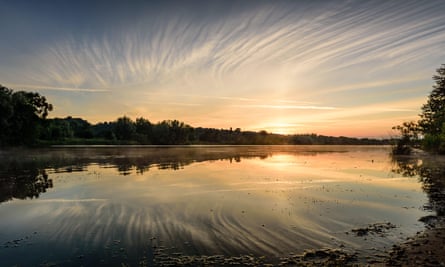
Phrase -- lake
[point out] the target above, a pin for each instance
(144, 206)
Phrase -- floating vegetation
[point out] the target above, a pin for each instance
(312, 257)
(162, 259)
(375, 228)
(321, 257)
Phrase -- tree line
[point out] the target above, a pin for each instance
(23, 120)
(429, 131)
(124, 130)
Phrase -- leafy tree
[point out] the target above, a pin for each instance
(59, 129)
(143, 126)
(124, 128)
(431, 125)
(80, 127)
(144, 130)
(104, 130)
(409, 137)
(6, 112)
(433, 112)
(179, 132)
(21, 114)
(432, 120)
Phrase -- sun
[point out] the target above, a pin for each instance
(283, 127)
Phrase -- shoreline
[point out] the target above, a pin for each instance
(426, 248)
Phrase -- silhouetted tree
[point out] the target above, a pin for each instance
(433, 112)
(104, 130)
(161, 133)
(432, 121)
(6, 112)
(80, 127)
(58, 129)
(21, 116)
(124, 128)
(144, 130)
(409, 132)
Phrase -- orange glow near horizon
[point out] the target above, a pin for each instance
(332, 69)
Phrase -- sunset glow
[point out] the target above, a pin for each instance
(351, 68)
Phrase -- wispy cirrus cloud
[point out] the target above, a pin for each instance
(66, 89)
(328, 38)
(287, 107)
(288, 59)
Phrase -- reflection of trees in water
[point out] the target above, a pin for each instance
(24, 184)
(431, 174)
(141, 164)
(23, 174)
(127, 166)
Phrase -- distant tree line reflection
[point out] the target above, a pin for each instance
(24, 174)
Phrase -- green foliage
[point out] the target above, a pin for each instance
(409, 132)
(433, 112)
(435, 142)
(173, 132)
(6, 112)
(431, 142)
(21, 116)
(433, 115)
(144, 130)
(314, 139)
(432, 120)
(124, 128)
(62, 129)
(431, 123)
(104, 130)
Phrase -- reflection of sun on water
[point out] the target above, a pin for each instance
(281, 161)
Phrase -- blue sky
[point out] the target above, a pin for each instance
(352, 68)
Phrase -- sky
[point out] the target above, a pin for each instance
(350, 68)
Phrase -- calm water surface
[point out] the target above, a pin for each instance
(108, 206)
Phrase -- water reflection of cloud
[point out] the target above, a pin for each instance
(212, 206)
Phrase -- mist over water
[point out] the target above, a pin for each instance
(113, 205)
